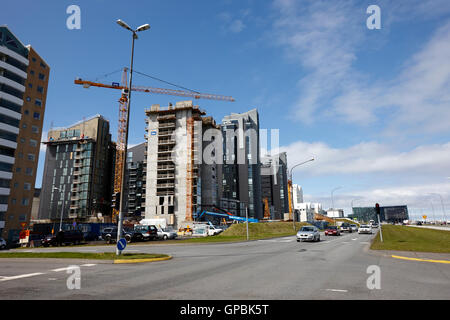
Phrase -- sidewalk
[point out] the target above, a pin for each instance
(445, 228)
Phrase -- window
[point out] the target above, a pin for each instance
(41, 76)
(33, 143)
(43, 65)
(23, 217)
(27, 186)
(29, 171)
(25, 201)
(38, 103)
(32, 72)
(35, 129)
(30, 85)
(31, 157)
(40, 89)
(37, 115)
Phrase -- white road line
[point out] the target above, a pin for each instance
(21, 276)
(88, 265)
(61, 269)
(336, 290)
(355, 239)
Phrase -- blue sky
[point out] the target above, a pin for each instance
(372, 106)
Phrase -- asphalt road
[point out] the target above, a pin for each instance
(277, 269)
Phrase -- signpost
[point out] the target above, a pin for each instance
(378, 212)
(121, 244)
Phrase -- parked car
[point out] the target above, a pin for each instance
(213, 230)
(345, 227)
(2, 244)
(354, 227)
(110, 235)
(167, 233)
(308, 233)
(144, 232)
(63, 237)
(332, 231)
(365, 228)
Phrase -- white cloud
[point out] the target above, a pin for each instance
(368, 157)
(324, 39)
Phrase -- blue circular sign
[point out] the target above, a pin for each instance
(121, 244)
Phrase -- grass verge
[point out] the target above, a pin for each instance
(403, 238)
(257, 231)
(82, 255)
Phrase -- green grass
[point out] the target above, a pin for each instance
(403, 238)
(262, 230)
(81, 255)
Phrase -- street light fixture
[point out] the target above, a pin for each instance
(291, 193)
(62, 210)
(332, 201)
(141, 28)
(442, 203)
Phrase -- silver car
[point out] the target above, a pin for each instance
(167, 233)
(308, 233)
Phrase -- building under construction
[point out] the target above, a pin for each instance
(174, 187)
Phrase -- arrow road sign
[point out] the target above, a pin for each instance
(121, 244)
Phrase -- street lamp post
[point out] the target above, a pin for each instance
(444, 217)
(62, 211)
(134, 36)
(291, 192)
(332, 202)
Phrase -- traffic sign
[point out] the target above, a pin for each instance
(425, 217)
(121, 244)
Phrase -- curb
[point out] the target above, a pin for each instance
(141, 260)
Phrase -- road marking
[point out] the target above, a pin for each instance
(21, 276)
(422, 260)
(62, 269)
(355, 239)
(336, 290)
(88, 265)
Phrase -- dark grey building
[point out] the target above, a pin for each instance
(240, 171)
(274, 186)
(387, 214)
(135, 181)
(77, 172)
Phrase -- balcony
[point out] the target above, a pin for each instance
(167, 125)
(166, 142)
(165, 176)
(163, 168)
(165, 185)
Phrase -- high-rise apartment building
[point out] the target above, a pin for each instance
(239, 173)
(178, 184)
(274, 186)
(135, 178)
(77, 173)
(24, 79)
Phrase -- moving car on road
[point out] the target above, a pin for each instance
(354, 227)
(308, 233)
(345, 227)
(332, 231)
(365, 229)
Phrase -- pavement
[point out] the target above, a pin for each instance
(336, 268)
